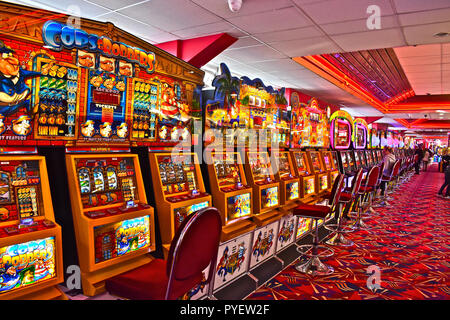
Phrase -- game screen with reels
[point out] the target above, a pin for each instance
(316, 161)
(259, 165)
(117, 239)
(342, 134)
(27, 263)
(177, 173)
(309, 187)
(106, 180)
(301, 164)
(326, 159)
(238, 206)
(284, 169)
(269, 197)
(20, 190)
(227, 169)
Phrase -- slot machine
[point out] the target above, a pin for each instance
(231, 194)
(304, 171)
(331, 166)
(289, 181)
(318, 169)
(266, 190)
(114, 225)
(31, 263)
(179, 190)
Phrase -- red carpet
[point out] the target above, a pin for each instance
(409, 242)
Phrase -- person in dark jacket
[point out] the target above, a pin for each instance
(445, 184)
(418, 152)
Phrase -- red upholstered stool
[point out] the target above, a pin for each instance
(366, 193)
(192, 250)
(388, 179)
(317, 212)
(346, 199)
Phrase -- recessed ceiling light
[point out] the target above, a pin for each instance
(441, 34)
(441, 111)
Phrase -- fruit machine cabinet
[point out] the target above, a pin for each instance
(330, 161)
(231, 194)
(31, 263)
(289, 181)
(179, 190)
(114, 225)
(304, 171)
(320, 172)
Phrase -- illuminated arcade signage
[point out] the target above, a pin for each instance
(57, 36)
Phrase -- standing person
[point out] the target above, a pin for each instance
(445, 184)
(426, 159)
(419, 153)
(389, 161)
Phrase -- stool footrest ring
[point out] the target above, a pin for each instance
(323, 251)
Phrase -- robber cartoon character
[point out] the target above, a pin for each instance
(105, 130)
(2, 124)
(21, 126)
(87, 129)
(14, 91)
(122, 130)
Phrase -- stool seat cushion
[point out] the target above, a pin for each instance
(365, 189)
(312, 211)
(147, 282)
(345, 197)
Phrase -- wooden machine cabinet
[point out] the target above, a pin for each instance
(289, 181)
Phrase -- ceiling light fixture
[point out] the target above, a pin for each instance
(234, 5)
(441, 34)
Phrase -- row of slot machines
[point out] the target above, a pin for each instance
(350, 161)
(115, 226)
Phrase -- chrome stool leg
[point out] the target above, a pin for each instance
(314, 266)
(339, 229)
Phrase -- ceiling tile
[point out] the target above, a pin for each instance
(304, 47)
(278, 66)
(243, 42)
(342, 10)
(424, 17)
(291, 34)
(165, 15)
(418, 51)
(253, 54)
(123, 22)
(420, 5)
(115, 4)
(375, 39)
(387, 22)
(206, 29)
(423, 34)
(282, 19)
(83, 9)
(426, 60)
(249, 7)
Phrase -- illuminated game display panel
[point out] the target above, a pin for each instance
(303, 227)
(106, 181)
(360, 133)
(301, 163)
(358, 160)
(315, 161)
(341, 130)
(284, 167)
(26, 264)
(327, 161)
(117, 239)
(269, 197)
(227, 169)
(260, 166)
(238, 207)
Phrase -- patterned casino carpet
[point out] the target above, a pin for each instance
(409, 242)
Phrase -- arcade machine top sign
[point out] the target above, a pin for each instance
(360, 133)
(80, 86)
(243, 104)
(341, 129)
(310, 124)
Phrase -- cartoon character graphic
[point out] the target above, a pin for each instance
(9, 278)
(163, 133)
(168, 105)
(86, 60)
(87, 129)
(106, 64)
(122, 130)
(286, 231)
(105, 130)
(21, 126)
(14, 91)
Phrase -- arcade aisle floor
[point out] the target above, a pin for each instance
(409, 242)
